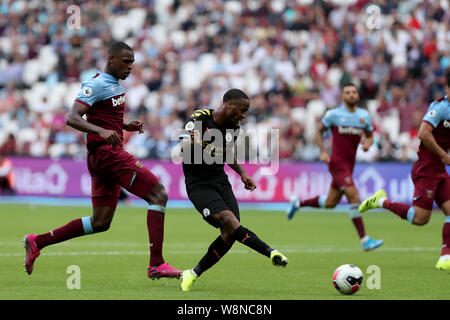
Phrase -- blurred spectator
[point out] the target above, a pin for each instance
(9, 145)
(284, 54)
(6, 176)
(387, 149)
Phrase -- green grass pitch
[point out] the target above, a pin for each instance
(113, 264)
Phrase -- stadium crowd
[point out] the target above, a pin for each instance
(290, 56)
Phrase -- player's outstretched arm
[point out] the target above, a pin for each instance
(75, 120)
(427, 138)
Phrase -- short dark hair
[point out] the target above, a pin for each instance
(234, 94)
(349, 84)
(117, 47)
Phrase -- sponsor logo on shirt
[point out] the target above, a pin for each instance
(350, 130)
(119, 101)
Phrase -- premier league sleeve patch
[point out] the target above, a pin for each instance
(87, 91)
(432, 113)
(189, 126)
(90, 93)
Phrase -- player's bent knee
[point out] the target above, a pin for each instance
(227, 220)
(100, 226)
(421, 220)
(162, 197)
(158, 196)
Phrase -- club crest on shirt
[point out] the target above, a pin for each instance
(139, 164)
(446, 124)
(361, 121)
(430, 194)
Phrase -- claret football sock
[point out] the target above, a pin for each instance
(316, 202)
(250, 239)
(216, 251)
(155, 225)
(403, 210)
(74, 228)
(357, 220)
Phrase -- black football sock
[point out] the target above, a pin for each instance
(247, 237)
(216, 250)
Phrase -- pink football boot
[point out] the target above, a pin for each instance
(31, 251)
(164, 270)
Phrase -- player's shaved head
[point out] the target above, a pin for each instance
(234, 94)
(120, 60)
(235, 104)
(118, 47)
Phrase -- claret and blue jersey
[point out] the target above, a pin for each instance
(347, 129)
(105, 97)
(438, 115)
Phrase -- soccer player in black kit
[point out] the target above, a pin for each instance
(207, 144)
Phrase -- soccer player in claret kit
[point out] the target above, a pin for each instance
(429, 175)
(349, 126)
(207, 143)
(102, 100)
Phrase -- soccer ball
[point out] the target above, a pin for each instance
(347, 279)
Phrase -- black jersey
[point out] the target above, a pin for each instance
(206, 158)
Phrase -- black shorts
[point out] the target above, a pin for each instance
(213, 197)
